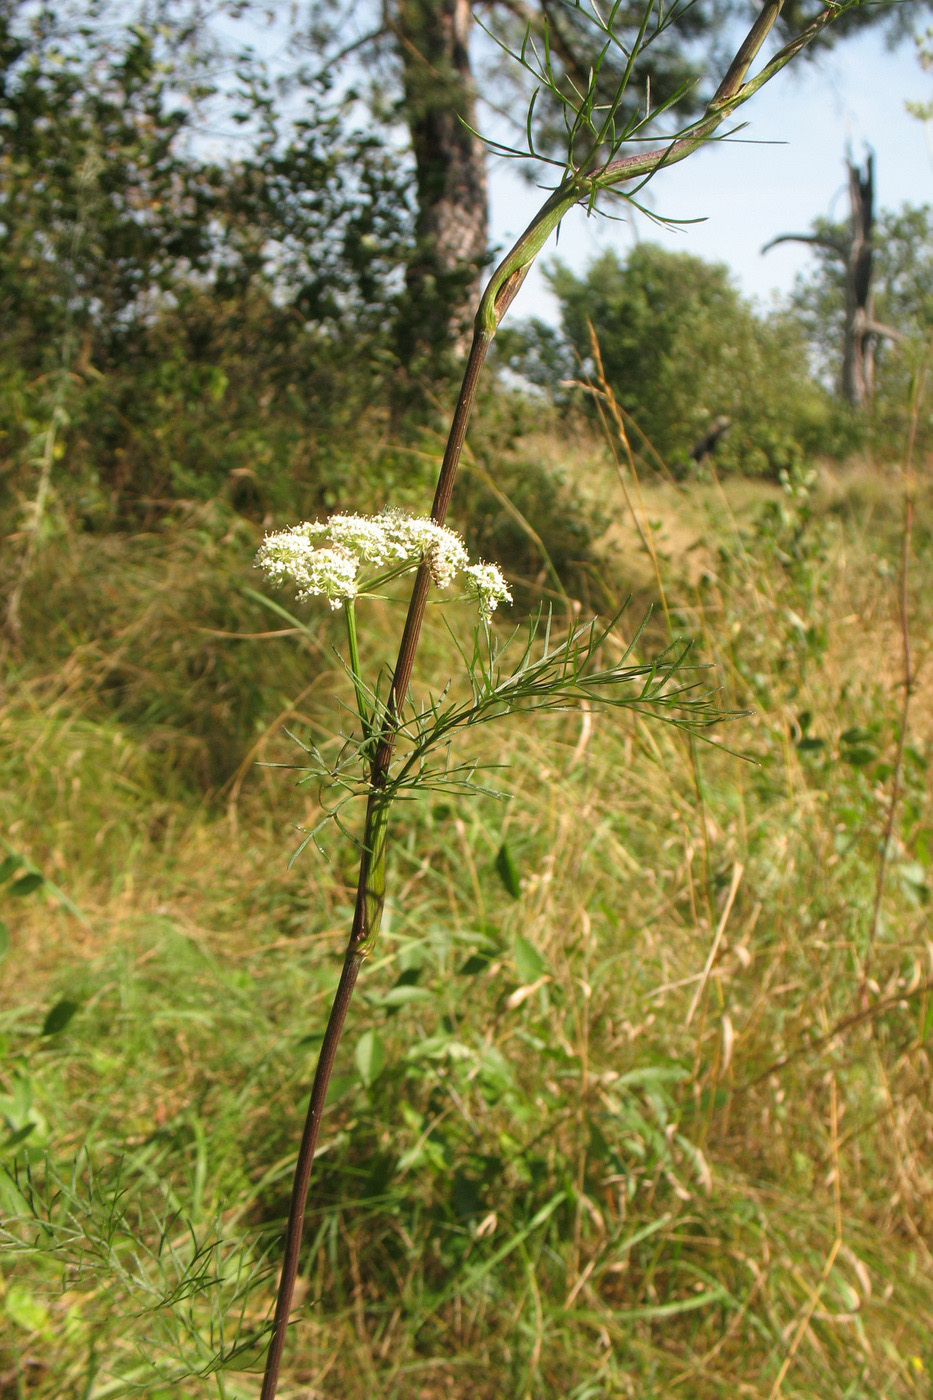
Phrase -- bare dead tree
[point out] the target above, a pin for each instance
(853, 249)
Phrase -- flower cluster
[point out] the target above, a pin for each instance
(336, 558)
(485, 583)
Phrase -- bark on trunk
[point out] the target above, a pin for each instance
(858, 362)
(450, 168)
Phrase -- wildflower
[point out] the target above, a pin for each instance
(486, 583)
(328, 571)
(416, 536)
(363, 535)
(340, 557)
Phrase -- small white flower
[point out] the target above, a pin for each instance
(326, 557)
(487, 584)
(416, 537)
(331, 572)
(364, 535)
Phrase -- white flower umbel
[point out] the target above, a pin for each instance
(325, 570)
(346, 555)
(486, 583)
(417, 537)
(363, 535)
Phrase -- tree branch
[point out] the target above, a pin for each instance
(884, 332)
(821, 240)
(334, 60)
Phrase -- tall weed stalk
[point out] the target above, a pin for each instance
(549, 674)
(909, 681)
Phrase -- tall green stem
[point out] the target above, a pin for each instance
(349, 612)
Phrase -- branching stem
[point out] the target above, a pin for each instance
(370, 894)
(580, 185)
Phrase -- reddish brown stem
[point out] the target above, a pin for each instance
(296, 1212)
(370, 887)
(501, 291)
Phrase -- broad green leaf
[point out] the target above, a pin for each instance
(439, 1047)
(8, 867)
(59, 1017)
(915, 758)
(4, 939)
(20, 1135)
(370, 1057)
(408, 977)
(507, 871)
(859, 757)
(528, 961)
(27, 883)
(476, 962)
(858, 736)
(314, 1038)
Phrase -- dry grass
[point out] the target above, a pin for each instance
(647, 1130)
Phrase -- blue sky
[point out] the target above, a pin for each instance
(750, 190)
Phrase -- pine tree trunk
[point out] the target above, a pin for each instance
(450, 169)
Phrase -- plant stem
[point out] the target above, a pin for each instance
(370, 898)
(500, 292)
(903, 607)
(411, 633)
(370, 893)
(309, 1137)
(349, 612)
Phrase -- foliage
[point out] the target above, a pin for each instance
(923, 111)
(149, 276)
(689, 38)
(680, 347)
(581, 1196)
(108, 206)
(413, 62)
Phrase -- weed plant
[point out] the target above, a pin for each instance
(631, 1111)
(354, 555)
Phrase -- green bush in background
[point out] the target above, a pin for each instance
(680, 347)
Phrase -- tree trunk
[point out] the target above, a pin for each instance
(854, 250)
(859, 351)
(450, 170)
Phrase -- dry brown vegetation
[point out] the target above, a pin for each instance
(659, 1125)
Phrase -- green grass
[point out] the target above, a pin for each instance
(643, 1130)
